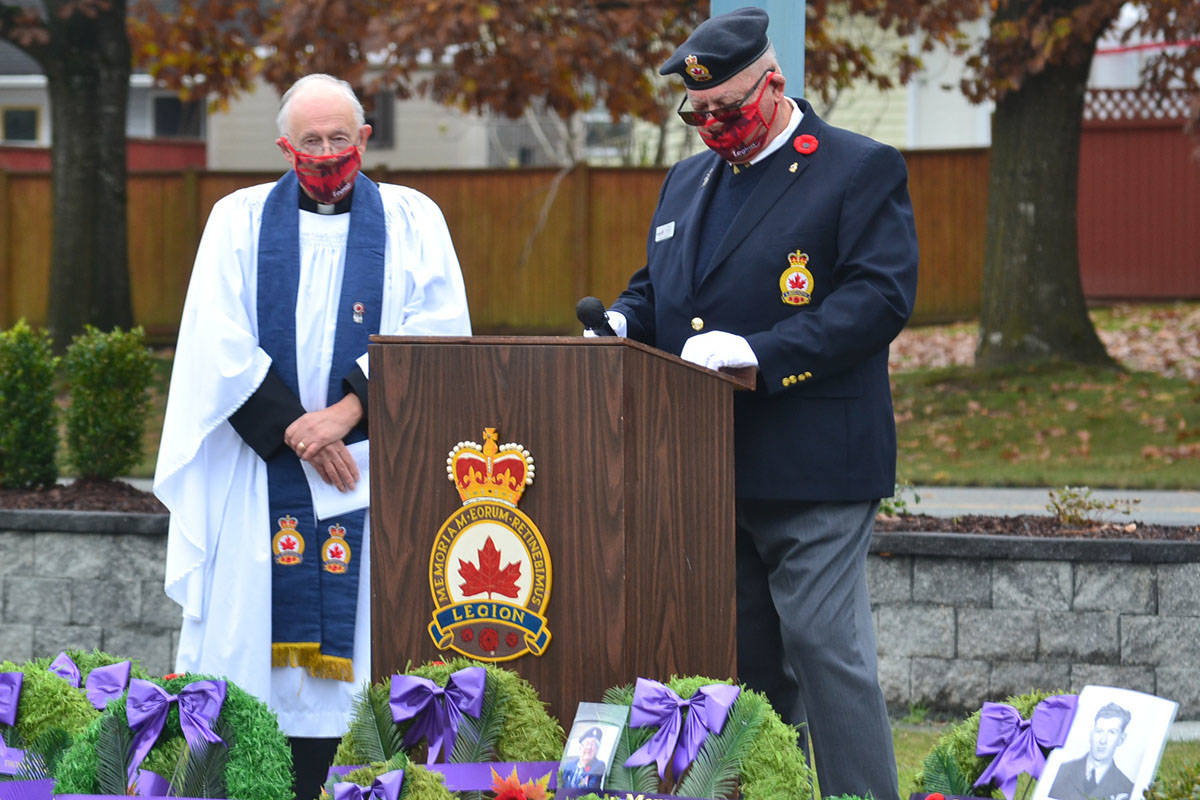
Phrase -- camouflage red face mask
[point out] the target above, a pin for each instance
(326, 179)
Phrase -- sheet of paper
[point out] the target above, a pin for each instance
(328, 500)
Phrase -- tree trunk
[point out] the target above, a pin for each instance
(87, 68)
(1032, 306)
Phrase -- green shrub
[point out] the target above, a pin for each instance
(109, 376)
(1184, 785)
(29, 433)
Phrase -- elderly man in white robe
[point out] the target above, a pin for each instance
(264, 441)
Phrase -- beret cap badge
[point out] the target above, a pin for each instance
(696, 70)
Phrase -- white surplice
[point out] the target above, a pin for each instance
(215, 486)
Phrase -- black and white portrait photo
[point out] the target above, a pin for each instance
(1112, 748)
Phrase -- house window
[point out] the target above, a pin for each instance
(20, 124)
(381, 116)
(174, 118)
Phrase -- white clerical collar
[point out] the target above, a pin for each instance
(784, 136)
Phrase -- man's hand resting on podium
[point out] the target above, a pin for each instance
(717, 349)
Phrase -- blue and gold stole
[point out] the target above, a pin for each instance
(314, 578)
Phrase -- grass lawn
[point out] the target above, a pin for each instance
(1047, 426)
(913, 743)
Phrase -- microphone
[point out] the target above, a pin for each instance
(591, 313)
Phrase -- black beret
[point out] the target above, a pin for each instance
(592, 733)
(720, 48)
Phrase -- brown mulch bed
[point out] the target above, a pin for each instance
(84, 495)
(1036, 525)
(93, 495)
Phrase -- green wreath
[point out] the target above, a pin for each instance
(513, 725)
(49, 702)
(952, 766)
(755, 757)
(419, 783)
(256, 765)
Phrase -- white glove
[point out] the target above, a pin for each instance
(616, 321)
(717, 349)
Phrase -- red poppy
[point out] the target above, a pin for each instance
(806, 144)
(466, 635)
(489, 639)
(512, 640)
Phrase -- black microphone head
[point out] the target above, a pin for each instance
(590, 312)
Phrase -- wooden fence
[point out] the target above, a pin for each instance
(532, 242)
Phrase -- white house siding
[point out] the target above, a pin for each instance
(427, 136)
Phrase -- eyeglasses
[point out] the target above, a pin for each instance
(723, 113)
(316, 146)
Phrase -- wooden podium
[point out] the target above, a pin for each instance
(632, 493)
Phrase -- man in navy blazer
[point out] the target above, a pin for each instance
(790, 246)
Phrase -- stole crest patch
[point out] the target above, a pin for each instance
(489, 570)
(335, 553)
(287, 544)
(796, 282)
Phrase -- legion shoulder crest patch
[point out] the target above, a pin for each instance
(489, 570)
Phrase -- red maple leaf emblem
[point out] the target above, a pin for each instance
(487, 576)
(797, 281)
(335, 552)
(287, 544)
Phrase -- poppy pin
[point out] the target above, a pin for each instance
(806, 144)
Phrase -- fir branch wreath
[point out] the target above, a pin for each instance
(952, 767)
(755, 757)
(257, 765)
(49, 702)
(419, 783)
(513, 725)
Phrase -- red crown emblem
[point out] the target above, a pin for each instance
(491, 472)
(798, 259)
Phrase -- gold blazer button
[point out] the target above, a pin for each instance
(697, 324)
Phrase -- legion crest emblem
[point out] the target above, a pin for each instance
(698, 71)
(287, 544)
(796, 282)
(489, 570)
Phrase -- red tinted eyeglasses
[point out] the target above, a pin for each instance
(723, 113)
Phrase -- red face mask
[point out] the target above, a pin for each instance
(327, 179)
(741, 136)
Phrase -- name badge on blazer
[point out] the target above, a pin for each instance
(664, 231)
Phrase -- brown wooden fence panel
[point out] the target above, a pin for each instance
(531, 242)
(515, 249)
(949, 194)
(30, 209)
(1139, 211)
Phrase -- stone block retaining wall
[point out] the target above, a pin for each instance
(959, 619)
(963, 619)
(86, 580)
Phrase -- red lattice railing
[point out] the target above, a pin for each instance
(1113, 105)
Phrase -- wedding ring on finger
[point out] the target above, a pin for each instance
(300, 446)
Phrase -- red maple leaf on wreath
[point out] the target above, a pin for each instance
(335, 552)
(796, 282)
(287, 544)
(488, 576)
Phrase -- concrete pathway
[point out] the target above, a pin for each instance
(1156, 507)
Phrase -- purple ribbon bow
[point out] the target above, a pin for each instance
(435, 711)
(657, 704)
(103, 683)
(146, 710)
(385, 787)
(1018, 743)
(10, 696)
